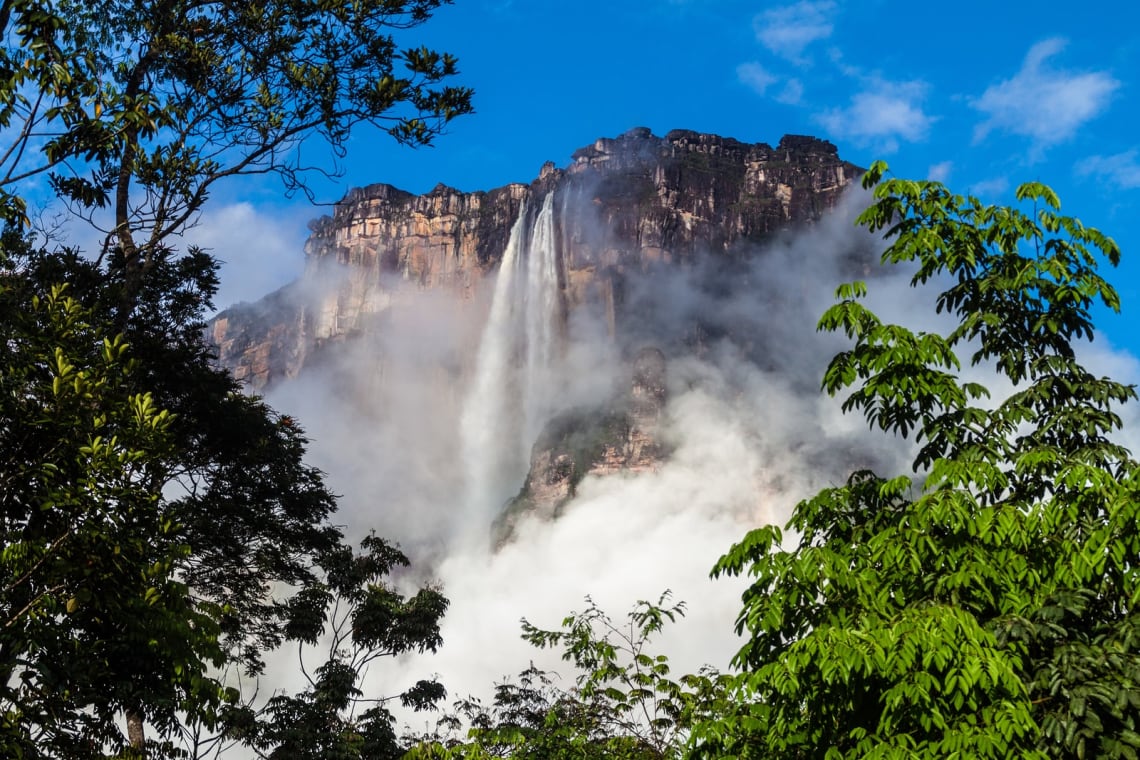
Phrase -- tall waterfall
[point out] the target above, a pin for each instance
(542, 324)
(510, 398)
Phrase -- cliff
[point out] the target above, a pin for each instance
(517, 341)
(624, 205)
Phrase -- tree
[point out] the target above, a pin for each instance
(86, 542)
(985, 607)
(143, 107)
(207, 89)
(246, 512)
(358, 617)
(97, 615)
(623, 705)
(49, 79)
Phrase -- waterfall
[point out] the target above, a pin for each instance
(542, 325)
(510, 397)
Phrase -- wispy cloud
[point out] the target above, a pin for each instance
(940, 172)
(760, 80)
(988, 188)
(792, 93)
(1121, 170)
(755, 77)
(1046, 104)
(881, 115)
(788, 30)
(259, 249)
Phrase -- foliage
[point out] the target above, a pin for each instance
(137, 564)
(160, 100)
(89, 553)
(623, 706)
(249, 512)
(207, 89)
(48, 77)
(986, 607)
(359, 617)
(142, 107)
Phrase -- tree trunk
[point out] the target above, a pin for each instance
(136, 737)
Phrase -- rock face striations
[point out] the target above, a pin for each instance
(622, 206)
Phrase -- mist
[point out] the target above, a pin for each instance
(750, 434)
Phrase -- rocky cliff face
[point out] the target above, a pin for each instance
(624, 205)
(654, 246)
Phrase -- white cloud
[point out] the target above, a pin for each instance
(940, 172)
(1122, 170)
(1042, 103)
(990, 187)
(787, 31)
(760, 80)
(756, 77)
(259, 251)
(792, 93)
(881, 115)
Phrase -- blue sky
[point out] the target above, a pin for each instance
(981, 95)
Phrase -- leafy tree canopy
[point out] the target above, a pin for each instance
(624, 704)
(357, 615)
(90, 551)
(144, 106)
(140, 107)
(987, 605)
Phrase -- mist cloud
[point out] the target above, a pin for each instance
(256, 248)
(750, 432)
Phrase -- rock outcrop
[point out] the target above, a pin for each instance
(623, 437)
(624, 205)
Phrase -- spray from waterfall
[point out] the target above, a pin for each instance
(510, 398)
